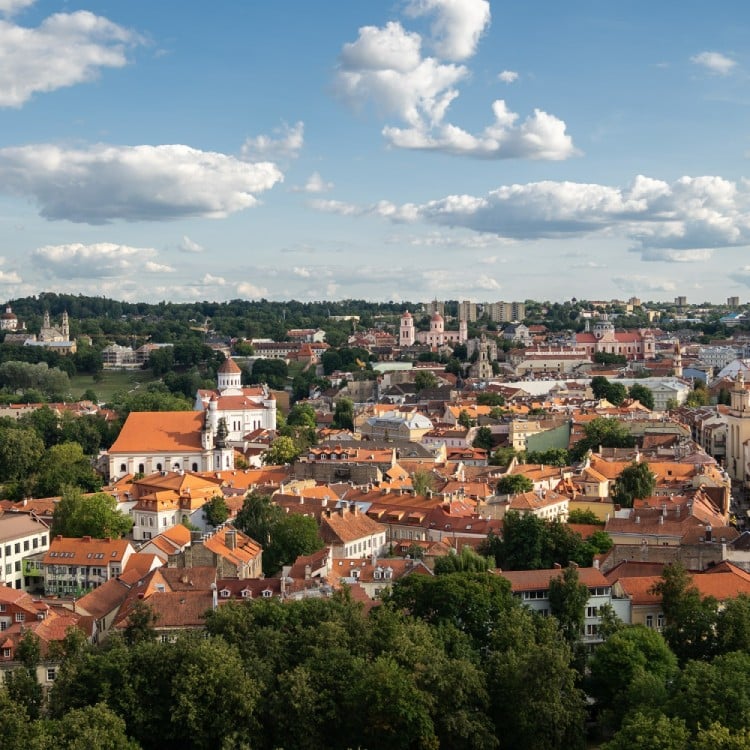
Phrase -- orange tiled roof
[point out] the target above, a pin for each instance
(160, 432)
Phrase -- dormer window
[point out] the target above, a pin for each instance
(246, 594)
(224, 593)
(267, 594)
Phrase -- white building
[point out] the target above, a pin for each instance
(21, 535)
(245, 410)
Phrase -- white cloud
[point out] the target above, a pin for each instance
(153, 267)
(539, 136)
(385, 66)
(456, 27)
(286, 144)
(508, 76)
(639, 284)
(315, 184)
(134, 183)
(676, 256)
(250, 291)
(9, 277)
(67, 48)
(714, 62)
(10, 7)
(210, 280)
(301, 271)
(102, 259)
(189, 246)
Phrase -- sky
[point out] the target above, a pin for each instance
(406, 151)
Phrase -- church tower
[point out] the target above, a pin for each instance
(407, 336)
(463, 331)
(65, 326)
(677, 360)
(738, 429)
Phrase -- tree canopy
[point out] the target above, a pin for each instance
(94, 515)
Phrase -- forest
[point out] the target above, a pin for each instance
(450, 661)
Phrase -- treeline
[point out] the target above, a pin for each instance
(451, 661)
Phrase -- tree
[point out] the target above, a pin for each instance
(483, 439)
(20, 452)
(283, 450)
(733, 625)
(567, 602)
(424, 380)
(552, 457)
(604, 432)
(502, 457)
(626, 655)
(642, 394)
(301, 415)
(92, 727)
(343, 415)
(644, 730)
(422, 481)
(512, 484)
(699, 396)
(636, 482)
(216, 511)
(464, 419)
(584, 516)
(466, 561)
(141, 621)
(257, 517)
(490, 398)
(96, 516)
(291, 536)
(690, 619)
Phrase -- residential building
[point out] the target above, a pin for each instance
(21, 536)
(352, 534)
(532, 588)
(74, 565)
(506, 312)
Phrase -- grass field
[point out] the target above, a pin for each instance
(111, 382)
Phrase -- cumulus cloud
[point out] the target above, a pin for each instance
(385, 66)
(153, 267)
(683, 220)
(315, 184)
(286, 143)
(539, 136)
(456, 27)
(66, 49)
(134, 183)
(301, 271)
(250, 291)
(210, 280)
(714, 62)
(10, 7)
(189, 246)
(101, 260)
(9, 277)
(508, 76)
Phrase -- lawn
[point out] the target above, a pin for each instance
(111, 382)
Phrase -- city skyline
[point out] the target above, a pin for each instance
(411, 150)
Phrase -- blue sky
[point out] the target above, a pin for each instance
(390, 151)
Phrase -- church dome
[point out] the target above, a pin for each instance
(436, 317)
(229, 366)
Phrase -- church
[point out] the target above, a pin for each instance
(604, 338)
(245, 410)
(436, 337)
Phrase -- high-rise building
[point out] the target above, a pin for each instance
(733, 301)
(467, 311)
(506, 312)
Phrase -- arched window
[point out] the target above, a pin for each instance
(195, 466)
(158, 467)
(141, 468)
(123, 468)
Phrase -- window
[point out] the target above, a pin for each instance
(123, 468)
(51, 674)
(18, 566)
(35, 542)
(267, 594)
(20, 616)
(7, 550)
(592, 611)
(44, 539)
(195, 466)
(3, 625)
(592, 630)
(17, 548)
(649, 621)
(26, 545)
(141, 468)
(6, 653)
(2, 608)
(8, 570)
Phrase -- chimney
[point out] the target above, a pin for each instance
(308, 572)
(214, 596)
(230, 539)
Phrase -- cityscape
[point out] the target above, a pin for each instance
(374, 376)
